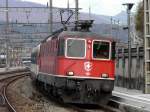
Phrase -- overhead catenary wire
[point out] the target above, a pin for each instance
(19, 24)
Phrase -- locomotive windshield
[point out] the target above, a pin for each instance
(75, 48)
(101, 50)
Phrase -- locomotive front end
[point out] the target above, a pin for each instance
(89, 69)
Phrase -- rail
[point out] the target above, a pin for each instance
(6, 81)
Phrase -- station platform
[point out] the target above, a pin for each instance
(132, 98)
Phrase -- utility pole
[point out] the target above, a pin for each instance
(118, 30)
(7, 28)
(89, 10)
(146, 87)
(77, 11)
(129, 7)
(68, 7)
(51, 16)
(111, 20)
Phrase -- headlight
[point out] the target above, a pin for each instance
(70, 73)
(104, 75)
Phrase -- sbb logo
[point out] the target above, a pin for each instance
(88, 66)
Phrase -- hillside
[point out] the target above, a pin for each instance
(101, 24)
(41, 15)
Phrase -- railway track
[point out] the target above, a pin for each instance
(13, 71)
(111, 107)
(53, 103)
(12, 77)
(89, 108)
(4, 83)
(95, 108)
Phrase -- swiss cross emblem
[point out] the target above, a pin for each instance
(88, 66)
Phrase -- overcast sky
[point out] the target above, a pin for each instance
(103, 7)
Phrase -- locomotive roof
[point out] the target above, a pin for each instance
(78, 34)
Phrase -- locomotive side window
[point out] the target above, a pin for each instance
(113, 50)
(75, 48)
(101, 50)
(61, 46)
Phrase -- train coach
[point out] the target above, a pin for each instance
(77, 67)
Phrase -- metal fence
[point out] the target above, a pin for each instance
(137, 68)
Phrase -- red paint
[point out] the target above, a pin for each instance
(77, 66)
(50, 63)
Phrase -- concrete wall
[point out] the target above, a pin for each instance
(137, 69)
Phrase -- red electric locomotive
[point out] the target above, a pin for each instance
(76, 66)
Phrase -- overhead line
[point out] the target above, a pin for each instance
(36, 8)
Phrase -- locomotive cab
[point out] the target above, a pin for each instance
(87, 57)
(85, 62)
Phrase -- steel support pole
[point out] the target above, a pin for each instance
(146, 87)
(129, 7)
(7, 28)
(118, 31)
(51, 15)
(129, 48)
(77, 11)
(90, 10)
(111, 19)
(68, 7)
